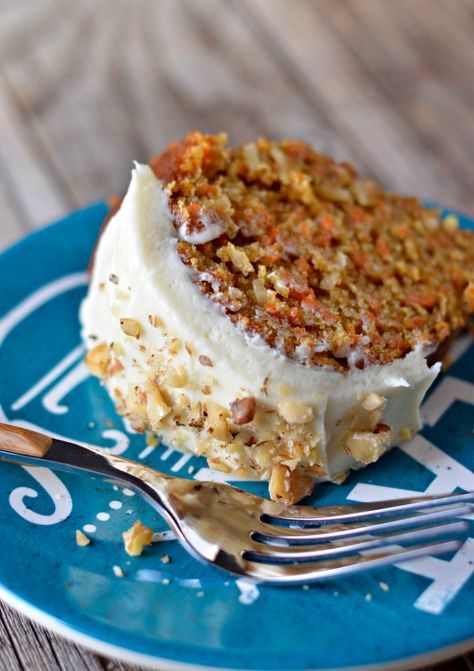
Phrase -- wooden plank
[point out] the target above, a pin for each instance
(421, 66)
(114, 665)
(209, 74)
(12, 218)
(25, 170)
(325, 65)
(32, 648)
(8, 657)
(455, 664)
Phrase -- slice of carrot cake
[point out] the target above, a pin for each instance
(269, 309)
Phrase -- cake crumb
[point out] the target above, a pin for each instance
(165, 581)
(368, 597)
(165, 559)
(136, 538)
(384, 587)
(118, 572)
(81, 539)
(191, 470)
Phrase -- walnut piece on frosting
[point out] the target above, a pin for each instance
(131, 327)
(98, 359)
(289, 486)
(367, 446)
(243, 410)
(217, 421)
(156, 404)
(295, 412)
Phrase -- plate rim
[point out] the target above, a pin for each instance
(124, 654)
(98, 646)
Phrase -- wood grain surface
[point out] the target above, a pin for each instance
(88, 86)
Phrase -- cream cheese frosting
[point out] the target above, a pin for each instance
(175, 364)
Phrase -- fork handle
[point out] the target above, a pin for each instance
(17, 440)
(20, 445)
(23, 446)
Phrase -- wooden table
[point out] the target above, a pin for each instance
(88, 86)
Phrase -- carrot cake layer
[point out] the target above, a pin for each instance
(265, 307)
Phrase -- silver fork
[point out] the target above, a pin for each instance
(260, 539)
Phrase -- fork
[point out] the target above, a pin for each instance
(260, 539)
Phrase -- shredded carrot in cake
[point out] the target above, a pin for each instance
(320, 263)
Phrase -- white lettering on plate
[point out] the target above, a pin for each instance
(447, 577)
(45, 477)
(55, 489)
(72, 379)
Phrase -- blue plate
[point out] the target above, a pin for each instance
(183, 613)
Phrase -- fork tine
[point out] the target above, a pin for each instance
(314, 571)
(263, 551)
(337, 532)
(346, 513)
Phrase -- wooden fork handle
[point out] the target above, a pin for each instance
(23, 441)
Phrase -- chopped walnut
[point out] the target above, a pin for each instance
(176, 377)
(205, 360)
(469, 296)
(243, 410)
(450, 223)
(295, 412)
(289, 486)
(136, 401)
(330, 281)
(138, 424)
(373, 401)
(261, 294)
(98, 359)
(217, 420)
(196, 418)
(81, 539)
(157, 406)
(219, 466)
(136, 538)
(406, 433)
(155, 321)
(115, 367)
(131, 327)
(367, 446)
(238, 258)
